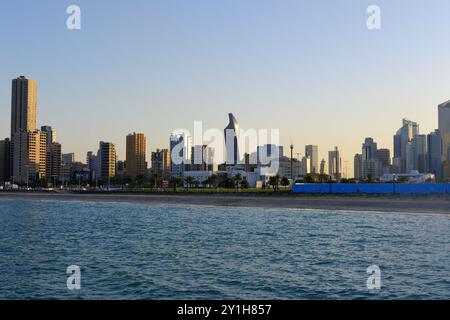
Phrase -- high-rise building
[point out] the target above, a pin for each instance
(202, 158)
(312, 152)
(370, 167)
(323, 164)
(267, 153)
(68, 158)
(306, 166)
(107, 160)
(23, 105)
(30, 156)
(53, 161)
(357, 166)
(93, 164)
(161, 163)
(5, 160)
(419, 149)
(135, 156)
(384, 156)
(444, 129)
(434, 154)
(403, 155)
(23, 111)
(334, 164)
(180, 146)
(231, 133)
(51, 134)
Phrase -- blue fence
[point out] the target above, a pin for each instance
(372, 188)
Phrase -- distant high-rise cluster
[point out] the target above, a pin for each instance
(414, 153)
(30, 155)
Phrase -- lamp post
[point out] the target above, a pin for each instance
(292, 159)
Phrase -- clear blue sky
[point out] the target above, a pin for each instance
(310, 68)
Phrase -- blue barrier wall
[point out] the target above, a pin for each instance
(372, 188)
(344, 188)
(376, 188)
(311, 188)
(420, 188)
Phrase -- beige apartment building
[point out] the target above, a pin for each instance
(29, 156)
(135, 155)
(107, 159)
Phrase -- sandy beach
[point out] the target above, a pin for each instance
(387, 203)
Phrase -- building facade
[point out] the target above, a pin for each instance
(434, 154)
(53, 161)
(444, 129)
(334, 164)
(403, 154)
(107, 160)
(180, 146)
(29, 156)
(5, 160)
(312, 152)
(51, 134)
(231, 134)
(136, 155)
(161, 163)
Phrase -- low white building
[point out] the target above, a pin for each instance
(412, 177)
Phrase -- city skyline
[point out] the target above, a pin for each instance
(412, 150)
(372, 79)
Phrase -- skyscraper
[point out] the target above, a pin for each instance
(161, 163)
(434, 154)
(444, 129)
(231, 133)
(5, 160)
(334, 164)
(107, 160)
(322, 166)
(54, 160)
(312, 152)
(180, 146)
(403, 155)
(357, 166)
(23, 105)
(419, 149)
(135, 156)
(93, 165)
(384, 156)
(23, 111)
(51, 134)
(370, 166)
(68, 158)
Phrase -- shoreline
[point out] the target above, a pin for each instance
(423, 204)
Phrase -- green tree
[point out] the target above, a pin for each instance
(309, 178)
(245, 184)
(274, 182)
(285, 182)
(229, 183)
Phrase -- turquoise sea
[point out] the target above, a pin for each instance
(137, 251)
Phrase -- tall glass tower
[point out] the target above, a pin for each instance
(231, 133)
